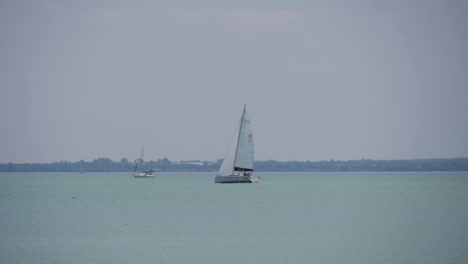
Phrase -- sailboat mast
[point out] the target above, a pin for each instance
(139, 158)
(238, 138)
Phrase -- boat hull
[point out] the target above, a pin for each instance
(143, 176)
(233, 179)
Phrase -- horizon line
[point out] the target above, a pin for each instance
(198, 160)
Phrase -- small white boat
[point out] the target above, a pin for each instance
(139, 163)
(144, 174)
(237, 166)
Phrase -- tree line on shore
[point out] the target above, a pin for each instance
(165, 165)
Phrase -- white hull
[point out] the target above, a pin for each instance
(143, 176)
(233, 179)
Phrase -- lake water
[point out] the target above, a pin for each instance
(186, 218)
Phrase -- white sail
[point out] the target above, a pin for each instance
(228, 163)
(240, 153)
(245, 148)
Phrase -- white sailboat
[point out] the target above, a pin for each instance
(139, 163)
(237, 166)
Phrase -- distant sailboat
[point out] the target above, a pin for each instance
(139, 163)
(237, 166)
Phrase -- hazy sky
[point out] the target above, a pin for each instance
(321, 79)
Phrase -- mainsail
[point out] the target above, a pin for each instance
(241, 152)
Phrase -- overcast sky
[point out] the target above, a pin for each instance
(322, 80)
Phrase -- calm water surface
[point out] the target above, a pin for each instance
(186, 218)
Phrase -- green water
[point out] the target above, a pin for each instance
(186, 218)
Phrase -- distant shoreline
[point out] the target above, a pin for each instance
(165, 165)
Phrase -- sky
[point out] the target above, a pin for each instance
(322, 80)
